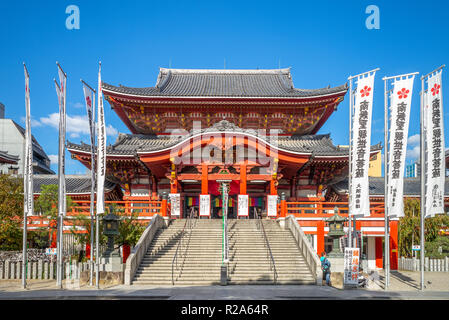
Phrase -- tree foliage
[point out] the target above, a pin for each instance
(410, 228)
(11, 212)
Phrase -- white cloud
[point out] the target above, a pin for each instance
(414, 152)
(78, 105)
(34, 123)
(75, 125)
(53, 158)
(414, 140)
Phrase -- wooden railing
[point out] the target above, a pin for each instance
(126, 207)
(325, 209)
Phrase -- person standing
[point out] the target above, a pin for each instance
(326, 267)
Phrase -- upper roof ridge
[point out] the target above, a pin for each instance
(225, 71)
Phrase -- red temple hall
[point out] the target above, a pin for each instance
(251, 128)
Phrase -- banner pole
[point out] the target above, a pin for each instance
(423, 185)
(350, 164)
(386, 226)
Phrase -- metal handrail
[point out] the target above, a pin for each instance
(267, 245)
(189, 224)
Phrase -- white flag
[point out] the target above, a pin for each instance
(435, 149)
(101, 149)
(90, 100)
(401, 98)
(361, 146)
(61, 92)
(28, 167)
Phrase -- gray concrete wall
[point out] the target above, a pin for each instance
(11, 140)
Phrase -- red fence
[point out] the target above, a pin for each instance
(324, 209)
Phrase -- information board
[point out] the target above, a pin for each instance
(351, 266)
(175, 204)
(243, 200)
(204, 205)
(272, 203)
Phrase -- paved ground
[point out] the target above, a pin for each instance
(404, 285)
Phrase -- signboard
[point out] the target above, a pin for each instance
(416, 248)
(351, 266)
(51, 251)
(175, 203)
(204, 205)
(243, 200)
(272, 204)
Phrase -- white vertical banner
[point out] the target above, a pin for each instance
(400, 98)
(243, 208)
(435, 148)
(61, 93)
(272, 203)
(361, 146)
(101, 149)
(204, 205)
(28, 167)
(89, 98)
(175, 204)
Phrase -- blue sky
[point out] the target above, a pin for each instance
(323, 42)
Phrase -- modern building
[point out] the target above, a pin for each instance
(12, 141)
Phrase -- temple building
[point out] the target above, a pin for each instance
(251, 128)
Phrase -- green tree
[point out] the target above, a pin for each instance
(410, 227)
(11, 212)
(47, 203)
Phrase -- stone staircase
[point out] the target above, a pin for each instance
(248, 264)
(202, 261)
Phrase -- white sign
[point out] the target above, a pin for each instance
(401, 98)
(204, 205)
(272, 204)
(435, 150)
(101, 149)
(416, 248)
(351, 266)
(243, 200)
(361, 146)
(175, 204)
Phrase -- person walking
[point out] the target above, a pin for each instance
(326, 267)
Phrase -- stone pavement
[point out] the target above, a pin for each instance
(404, 285)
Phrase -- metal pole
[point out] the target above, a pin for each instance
(386, 225)
(423, 185)
(92, 197)
(350, 165)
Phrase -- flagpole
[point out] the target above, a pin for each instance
(423, 185)
(92, 179)
(386, 223)
(350, 164)
(61, 170)
(97, 275)
(26, 175)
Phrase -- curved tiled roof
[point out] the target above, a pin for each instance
(412, 186)
(75, 184)
(126, 144)
(276, 83)
(5, 157)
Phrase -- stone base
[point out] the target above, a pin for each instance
(112, 263)
(106, 278)
(337, 280)
(337, 264)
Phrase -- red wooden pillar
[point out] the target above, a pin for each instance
(379, 249)
(204, 179)
(394, 245)
(320, 237)
(273, 190)
(243, 179)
